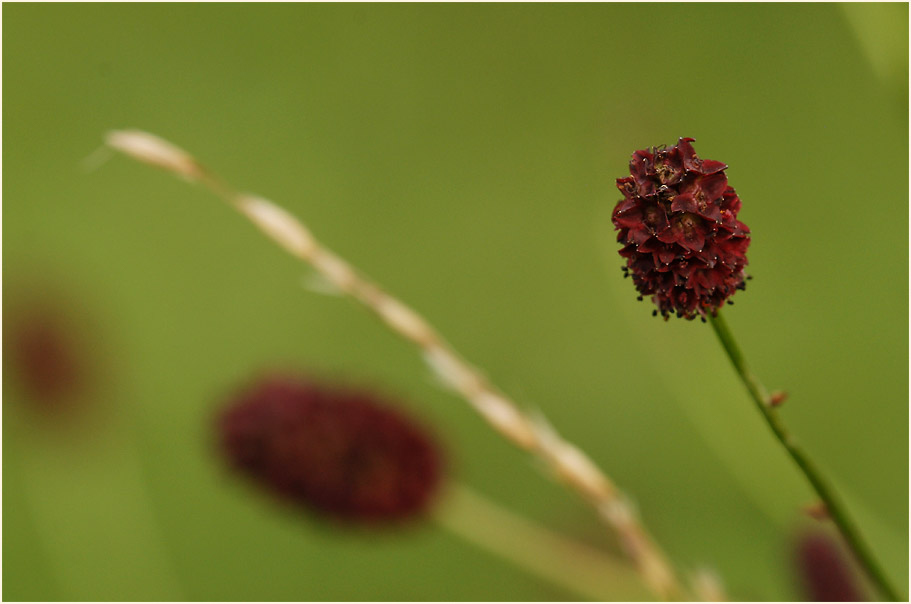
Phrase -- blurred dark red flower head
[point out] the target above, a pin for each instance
(678, 224)
(45, 353)
(824, 573)
(342, 453)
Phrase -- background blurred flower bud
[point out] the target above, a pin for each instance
(47, 356)
(824, 571)
(343, 453)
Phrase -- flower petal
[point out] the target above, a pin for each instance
(710, 166)
(713, 186)
(684, 203)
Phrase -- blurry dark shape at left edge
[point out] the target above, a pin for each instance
(50, 350)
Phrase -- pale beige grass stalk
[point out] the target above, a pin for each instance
(532, 434)
(577, 568)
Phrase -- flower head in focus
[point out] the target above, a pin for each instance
(342, 453)
(678, 224)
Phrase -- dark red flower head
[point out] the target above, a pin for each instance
(46, 351)
(824, 572)
(678, 225)
(342, 453)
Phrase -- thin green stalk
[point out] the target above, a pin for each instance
(834, 506)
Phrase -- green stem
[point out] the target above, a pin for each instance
(834, 506)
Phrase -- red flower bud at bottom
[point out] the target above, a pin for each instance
(341, 453)
(825, 574)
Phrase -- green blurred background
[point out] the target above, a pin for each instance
(463, 156)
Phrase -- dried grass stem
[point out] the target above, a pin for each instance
(533, 434)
